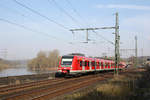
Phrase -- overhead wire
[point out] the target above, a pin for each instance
(38, 13)
(65, 12)
(23, 15)
(75, 11)
(17, 12)
(27, 28)
(12, 10)
(103, 37)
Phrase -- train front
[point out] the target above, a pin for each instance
(65, 65)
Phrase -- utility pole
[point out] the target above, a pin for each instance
(136, 51)
(142, 56)
(117, 38)
(87, 36)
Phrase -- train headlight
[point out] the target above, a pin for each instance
(71, 66)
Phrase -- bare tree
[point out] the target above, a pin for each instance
(43, 61)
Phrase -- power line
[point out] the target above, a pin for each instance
(75, 11)
(93, 29)
(27, 28)
(103, 37)
(17, 12)
(61, 9)
(65, 12)
(38, 13)
(12, 10)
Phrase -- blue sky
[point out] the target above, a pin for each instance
(134, 19)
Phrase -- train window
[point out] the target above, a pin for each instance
(99, 63)
(93, 63)
(80, 63)
(66, 61)
(104, 64)
(85, 63)
(90, 63)
(109, 64)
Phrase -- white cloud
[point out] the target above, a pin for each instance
(122, 6)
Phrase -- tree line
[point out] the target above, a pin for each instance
(3, 64)
(45, 60)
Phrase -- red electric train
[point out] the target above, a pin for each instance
(76, 65)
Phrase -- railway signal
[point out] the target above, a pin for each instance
(117, 38)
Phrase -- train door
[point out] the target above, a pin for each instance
(83, 65)
(95, 65)
(108, 65)
(86, 65)
(104, 64)
(100, 65)
(90, 65)
(111, 65)
(80, 65)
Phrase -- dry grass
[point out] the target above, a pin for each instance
(113, 90)
(133, 86)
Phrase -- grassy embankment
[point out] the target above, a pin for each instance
(131, 86)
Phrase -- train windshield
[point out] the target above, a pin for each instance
(67, 60)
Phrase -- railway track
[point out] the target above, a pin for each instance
(43, 90)
(31, 85)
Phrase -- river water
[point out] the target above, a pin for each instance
(16, 72)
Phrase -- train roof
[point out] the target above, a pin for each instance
(86, 58)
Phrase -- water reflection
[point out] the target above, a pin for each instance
(21, 70)
(16, 72)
